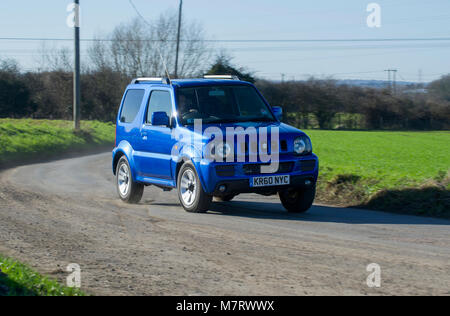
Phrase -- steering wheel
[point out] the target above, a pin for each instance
(191, 111)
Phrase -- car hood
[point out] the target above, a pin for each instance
(286, 131)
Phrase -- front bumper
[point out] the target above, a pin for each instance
(239, 181)
(235, 187)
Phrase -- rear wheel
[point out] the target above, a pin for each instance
(190, 191)
(129, 191)
(298, 200)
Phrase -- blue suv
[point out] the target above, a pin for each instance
(215, 137)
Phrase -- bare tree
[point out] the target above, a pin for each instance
(135, 48)
(55, 58)
(9, 65)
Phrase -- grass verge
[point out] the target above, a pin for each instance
(17, 279)
(27, 140)
(400, 172)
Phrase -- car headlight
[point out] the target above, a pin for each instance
(218, 150)
(302, 145)
(223, 150)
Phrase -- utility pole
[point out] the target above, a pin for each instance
(392, 85)
(389, 78)
(76, 73)
(180, 14)
(395, 80)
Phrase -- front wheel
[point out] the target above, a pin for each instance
(225, 198)
(190, 191)
(298, 200)
(129, 191)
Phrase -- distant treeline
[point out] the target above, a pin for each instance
(326, 104)
(49, 95)
(309, 104)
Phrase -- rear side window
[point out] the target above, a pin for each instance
(160, 101)
(131, 105)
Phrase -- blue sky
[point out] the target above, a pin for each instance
(265, 19)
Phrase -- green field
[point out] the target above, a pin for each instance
(17, 279)
(27, 139)
(393, 159)
(359, 166)
(405, 172)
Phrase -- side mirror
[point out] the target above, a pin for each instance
(160, 119)
(278, 112)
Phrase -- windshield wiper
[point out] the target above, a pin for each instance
(259, 119)
(221, 121)
(240, 120)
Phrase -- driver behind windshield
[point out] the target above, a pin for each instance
(186, 106)
(222, 104)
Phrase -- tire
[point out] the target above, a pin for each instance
(190, 190)
(225, 198)
(298, 200)
(129, 191)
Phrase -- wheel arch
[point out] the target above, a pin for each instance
(183, 160)
(180, 164)
(123, 149)
(116, 159)
(188, 153)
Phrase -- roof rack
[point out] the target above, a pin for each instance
(226, 77)
(155, 80)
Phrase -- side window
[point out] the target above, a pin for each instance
(131, 105)
(160, 101)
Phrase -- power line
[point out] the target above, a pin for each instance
(159, 50)
(432, 39)
(138, 13)
(330, 40)
(355, 73)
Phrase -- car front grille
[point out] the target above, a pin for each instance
(225, 170)
(245, 147)
(255, 169)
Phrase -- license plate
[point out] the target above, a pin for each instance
(269, 181)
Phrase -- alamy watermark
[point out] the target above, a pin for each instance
(374, 18)
(74, 278)
(374, 278)
(73, 20)
(231, 145)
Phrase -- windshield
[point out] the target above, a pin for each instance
(221, 104)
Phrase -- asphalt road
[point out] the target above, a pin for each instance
(67, 211)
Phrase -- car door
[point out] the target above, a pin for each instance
(156, 141)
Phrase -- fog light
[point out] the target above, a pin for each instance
(222, 188)
(308, 182)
